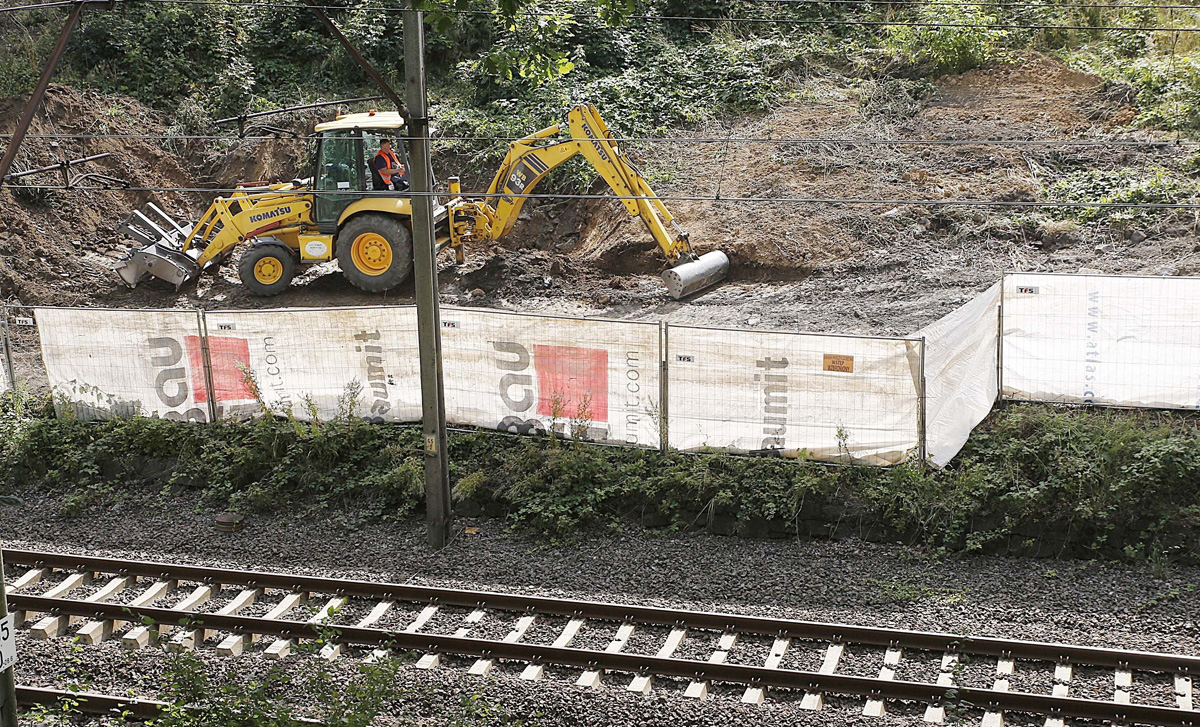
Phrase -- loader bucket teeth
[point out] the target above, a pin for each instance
(162, 253)
(692, 277)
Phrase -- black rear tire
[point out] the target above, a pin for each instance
(375, 252)
(267, 268)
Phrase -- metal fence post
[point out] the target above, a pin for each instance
(8, 683)
(1000, 340)
(664, 431)
(7, 343)
(922, 405)
(206, 356)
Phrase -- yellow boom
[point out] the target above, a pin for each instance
(531, 158)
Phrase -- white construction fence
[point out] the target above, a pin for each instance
(1064, 338)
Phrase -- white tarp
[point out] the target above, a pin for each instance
(524, 374)
(961, 378)
(1102, 340)
(108, 363)
(307, 361)
(833, 398)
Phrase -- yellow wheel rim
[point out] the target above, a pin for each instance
(371, 253)
(268, 270)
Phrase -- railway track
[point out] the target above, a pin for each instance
(95, 599)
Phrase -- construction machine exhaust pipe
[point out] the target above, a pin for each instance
(692, 277)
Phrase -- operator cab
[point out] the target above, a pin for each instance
(346, 149)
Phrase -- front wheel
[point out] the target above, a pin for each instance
(267, 269)
(375, 252)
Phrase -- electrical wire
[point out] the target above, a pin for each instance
(709, 19)
(801, 140)
(14, 8)
(776, 21)
(896, 202)
(983, 4)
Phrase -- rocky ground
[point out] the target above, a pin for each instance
(1102, 604)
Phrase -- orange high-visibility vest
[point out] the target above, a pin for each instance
(392, 159)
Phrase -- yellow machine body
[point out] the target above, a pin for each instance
(286, 213)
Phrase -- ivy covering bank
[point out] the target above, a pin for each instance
(1033, 479)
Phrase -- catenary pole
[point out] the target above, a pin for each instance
(39, 91)
(433, 410)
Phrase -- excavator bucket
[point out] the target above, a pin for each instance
(162, 255)
(692, 277)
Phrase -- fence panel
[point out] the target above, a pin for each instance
(960, 373)
(837, 398)
(1102, 340)
(596, 379)
(106, 363)
(27, 372)
(310, 361)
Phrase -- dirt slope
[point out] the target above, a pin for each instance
(874, 268)
(56, 247)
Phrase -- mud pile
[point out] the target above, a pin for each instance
(57, 246)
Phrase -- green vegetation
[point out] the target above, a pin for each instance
(1032, 478)
(1143, 186)
(1164, 87)
(351, 696)
(505, 67)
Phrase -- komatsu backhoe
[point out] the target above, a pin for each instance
(336, 213)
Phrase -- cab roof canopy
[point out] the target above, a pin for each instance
(367, 120)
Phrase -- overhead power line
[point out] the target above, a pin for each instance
(14, 8)
(983, 4)
(775, 21)
(897, 202)
(799, 140)
(713, 19)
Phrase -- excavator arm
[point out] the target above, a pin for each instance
(531, 158)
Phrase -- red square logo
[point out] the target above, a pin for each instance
(576, 379)
(226, 354)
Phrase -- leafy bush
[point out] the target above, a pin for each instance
(1167, 86)
(953, 48)
(1150, 186)
(1102, 482)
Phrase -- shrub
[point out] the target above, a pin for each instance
(1151, 186)
(958, 46)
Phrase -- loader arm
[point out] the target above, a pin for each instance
(178, 253)
(243, 216)
(533, 157)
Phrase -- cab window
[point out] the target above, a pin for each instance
(339, 170)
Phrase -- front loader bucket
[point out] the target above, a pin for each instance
(160, 261)
(691, 277)
(162, 256)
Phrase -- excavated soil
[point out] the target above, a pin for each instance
(808, 265)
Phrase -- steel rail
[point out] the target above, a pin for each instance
(92, 702)
(649, 615)
(630, 663)
(134, 709)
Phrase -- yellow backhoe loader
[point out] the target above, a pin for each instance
(337, 213)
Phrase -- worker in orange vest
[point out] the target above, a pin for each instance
(386, 170)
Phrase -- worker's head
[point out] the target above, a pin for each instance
(385, 144)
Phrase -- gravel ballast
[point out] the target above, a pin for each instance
(1080, 602)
